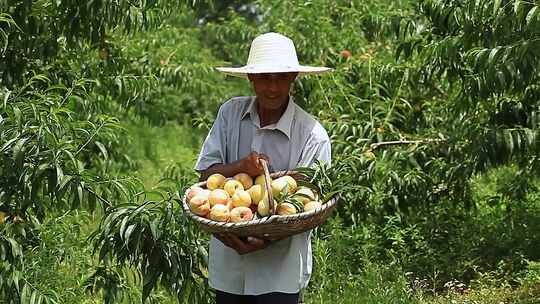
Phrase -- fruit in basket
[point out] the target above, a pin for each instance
(263, 208)
(220, 213)
(256, 192)
(278, 185)
(259, 180)
(241, 199)
(215, 181)
(292, 183)
(218, 197)
(286, 209)
(244, 179)
(232, 185)
(304, 195)
(312, 205)
(283, 182)
(241, 214)
(199, 205)
(193, 191)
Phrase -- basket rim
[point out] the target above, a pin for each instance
(255, 222)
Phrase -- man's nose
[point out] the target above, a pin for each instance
(273, 84)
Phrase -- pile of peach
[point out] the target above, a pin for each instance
(240, 198)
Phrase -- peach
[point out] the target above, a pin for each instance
(215, 181)
(312, 206)
(259, 180)
(193, 191)
(199, 205)
(220, 213)
(240, 214)
(231, 186)
(256, 192)
(263, 208)
(286, 209)
(218, 197)
(291, 182)
(241, 198)
(306, 195)
(244, 179)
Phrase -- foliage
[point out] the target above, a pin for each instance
(433, 120)
(156, 239)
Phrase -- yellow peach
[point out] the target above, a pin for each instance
(312, 206)
(218, 197)
(244, 179)
(220, 213)
(241, 198)
(286, 209)
(215, 181)
(240, 214)
(232, 185)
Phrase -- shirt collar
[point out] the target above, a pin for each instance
(284, 123)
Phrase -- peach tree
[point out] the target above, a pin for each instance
(61, 148)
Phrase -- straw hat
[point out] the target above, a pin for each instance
(272, 53)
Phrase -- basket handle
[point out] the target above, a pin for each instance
(264, 164)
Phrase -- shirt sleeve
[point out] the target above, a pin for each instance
(316, 150)
(214, 148)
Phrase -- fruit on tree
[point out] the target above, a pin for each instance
(3, 217)
(215, 181)
(218, 197)
(304, 195)
(199, 205)
(241, 214)
(241, 198)
(312, 205)
(232, 185)
(244, 179)
(286, 209)
(220, 213)
(346, 54)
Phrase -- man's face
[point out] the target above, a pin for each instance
(272, 89)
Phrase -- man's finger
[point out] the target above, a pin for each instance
(237, 242)
(255, 241)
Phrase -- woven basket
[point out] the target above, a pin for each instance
(272, 227)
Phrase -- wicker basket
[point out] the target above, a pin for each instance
(271, 227)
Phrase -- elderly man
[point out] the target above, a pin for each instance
(270, 126)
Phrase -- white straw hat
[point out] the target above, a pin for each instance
(272, 53)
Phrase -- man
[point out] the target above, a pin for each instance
(270, 126)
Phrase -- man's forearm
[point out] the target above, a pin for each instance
(226, 170)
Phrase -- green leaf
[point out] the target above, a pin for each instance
(102, 149)
(532, 15)
(496, 6)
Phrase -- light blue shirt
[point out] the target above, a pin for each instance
(296, 140)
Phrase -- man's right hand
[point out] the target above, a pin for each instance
(251, 165)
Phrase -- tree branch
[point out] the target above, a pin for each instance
(375, 146)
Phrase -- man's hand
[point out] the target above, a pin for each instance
(242, 247)
(251, 165)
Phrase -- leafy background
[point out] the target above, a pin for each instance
(432, 110)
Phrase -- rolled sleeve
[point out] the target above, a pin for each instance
(213, 150)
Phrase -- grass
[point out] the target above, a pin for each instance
(156, 147)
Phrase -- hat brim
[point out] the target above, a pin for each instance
(245, 70)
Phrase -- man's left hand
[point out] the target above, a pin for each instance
(241, 246)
